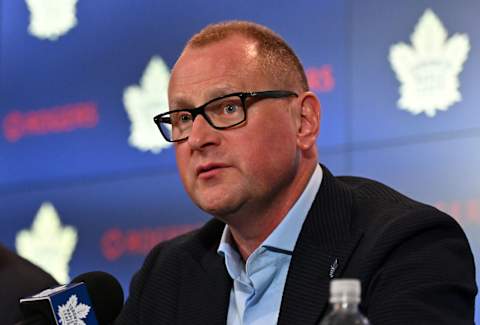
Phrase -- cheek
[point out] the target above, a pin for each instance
(182, 159)
(269, 157)
(273, 143)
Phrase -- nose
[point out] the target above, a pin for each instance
(202, 134)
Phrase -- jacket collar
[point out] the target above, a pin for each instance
(323, 248)
(214, 302)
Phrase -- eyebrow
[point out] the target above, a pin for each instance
(185, 102)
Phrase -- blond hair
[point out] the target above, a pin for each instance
(277, 59)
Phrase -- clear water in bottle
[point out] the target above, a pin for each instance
(344, 298)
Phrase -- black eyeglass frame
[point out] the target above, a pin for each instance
(200, 110)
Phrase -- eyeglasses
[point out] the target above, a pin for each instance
(221, 113)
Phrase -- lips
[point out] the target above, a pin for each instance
(209, 169)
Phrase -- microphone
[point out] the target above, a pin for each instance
(91, 298)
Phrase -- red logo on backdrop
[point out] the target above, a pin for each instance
(464, 211)
(116, 242)
(321, 78)
(59, 119)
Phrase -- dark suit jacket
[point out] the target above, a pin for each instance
(18, 279)
(414, 262)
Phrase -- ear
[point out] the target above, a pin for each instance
(309, 126)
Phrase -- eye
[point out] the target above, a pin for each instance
(230, 109)
(181, 118)
(185, 118)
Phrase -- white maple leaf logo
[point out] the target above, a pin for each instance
(73, 313)
(428, 70)
(50, 19)
(48, 244)
(143, 102)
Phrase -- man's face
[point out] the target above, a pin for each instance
(248, 167)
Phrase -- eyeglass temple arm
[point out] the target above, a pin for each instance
(272, 94)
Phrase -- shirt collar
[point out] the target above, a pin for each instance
(284, 236)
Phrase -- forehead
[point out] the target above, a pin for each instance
(213, 70)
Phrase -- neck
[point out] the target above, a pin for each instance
(252, 227)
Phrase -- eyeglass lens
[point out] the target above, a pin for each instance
(220, 113)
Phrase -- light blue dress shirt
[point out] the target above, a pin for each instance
(258, 284)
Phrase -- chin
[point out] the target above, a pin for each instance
(218, 201)
(222, 210)
(215, 210)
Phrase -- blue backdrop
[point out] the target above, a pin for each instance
(79, 85)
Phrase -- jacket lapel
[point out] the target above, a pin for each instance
(322, 250)
(216, 298)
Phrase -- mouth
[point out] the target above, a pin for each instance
(209, 170)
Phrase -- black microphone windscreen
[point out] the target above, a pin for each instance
(105, 292)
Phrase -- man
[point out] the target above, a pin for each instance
(18, 279)
(245, 128)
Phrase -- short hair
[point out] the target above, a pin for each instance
(277, 57)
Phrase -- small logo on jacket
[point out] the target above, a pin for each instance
(333, 268)
(73, 312)
(428, 70)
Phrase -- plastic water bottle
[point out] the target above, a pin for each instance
(344, 298)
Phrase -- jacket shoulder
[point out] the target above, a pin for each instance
(375, 203)
(158, 281)
(364, 188)
(408, 251)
